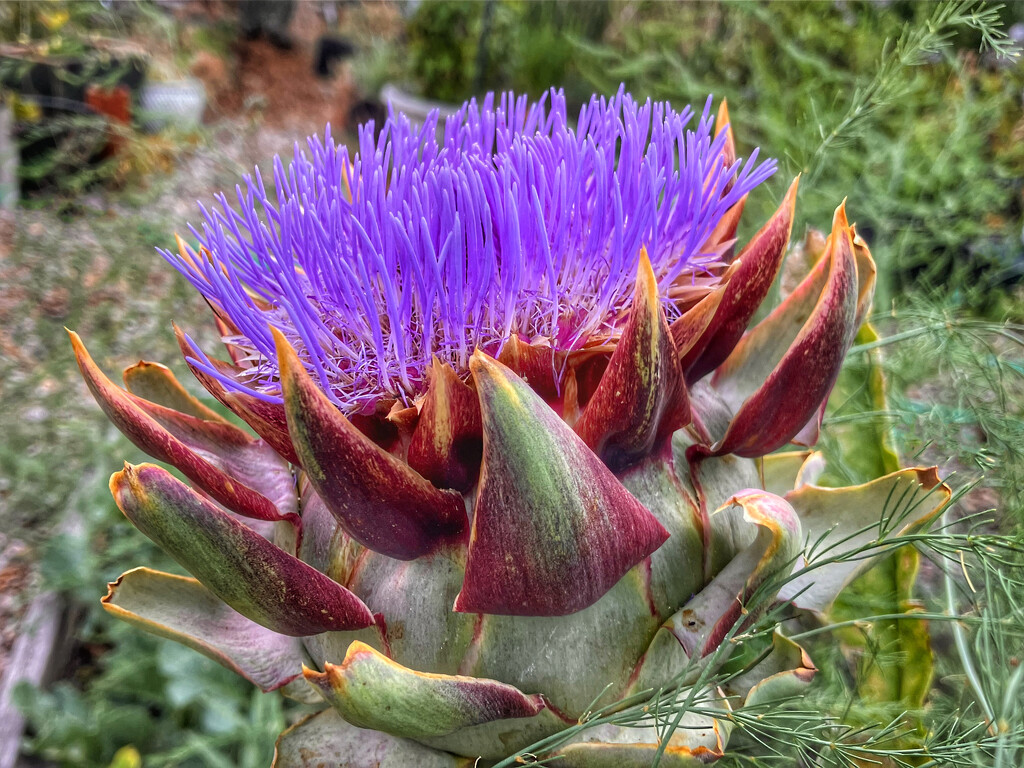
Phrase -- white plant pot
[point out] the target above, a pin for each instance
(417, 109)
(178, 103)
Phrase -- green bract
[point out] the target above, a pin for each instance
(460, 575)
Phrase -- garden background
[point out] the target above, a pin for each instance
(911, 110)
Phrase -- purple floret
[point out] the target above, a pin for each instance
(414, 247)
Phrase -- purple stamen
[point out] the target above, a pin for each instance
(513, 223)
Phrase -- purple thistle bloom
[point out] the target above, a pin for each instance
(513, 223)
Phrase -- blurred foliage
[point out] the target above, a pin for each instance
(921, 133)
(154, 703)
(55, 48)
(959, 405)
(66, 50)
(460, 48)
(376, 64)
(443, 41)
(963, 402)
(57, 27)
(78, 263)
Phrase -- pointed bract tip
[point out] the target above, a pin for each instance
(840, 222)
(859, 241)
(490, 374)
(115, 480)
(441, 371)
(482, 364)
(126, 480)
(111, 591)
(321, 681)
(793, 189)
(286, 356)
(131, 472)
(279, 338)
(76, 344)
(184, 345)
(646, 282)
(189, 255)
(722, 118)
(146, 365)
(841, 226)
(928, 477)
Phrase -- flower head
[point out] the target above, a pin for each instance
(513, 223)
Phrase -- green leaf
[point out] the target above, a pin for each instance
(697, 741)
(785, 672)
(894, 657)
(184, 610)
(860, 516)
(466, 715)
(256, 578)
(700, 626)
(860, 449)
(324, 739)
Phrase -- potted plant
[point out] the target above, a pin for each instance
(66, 87)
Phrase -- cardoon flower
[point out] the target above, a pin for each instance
(514, 224)
(513, 434)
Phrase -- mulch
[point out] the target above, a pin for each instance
(279, 86)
